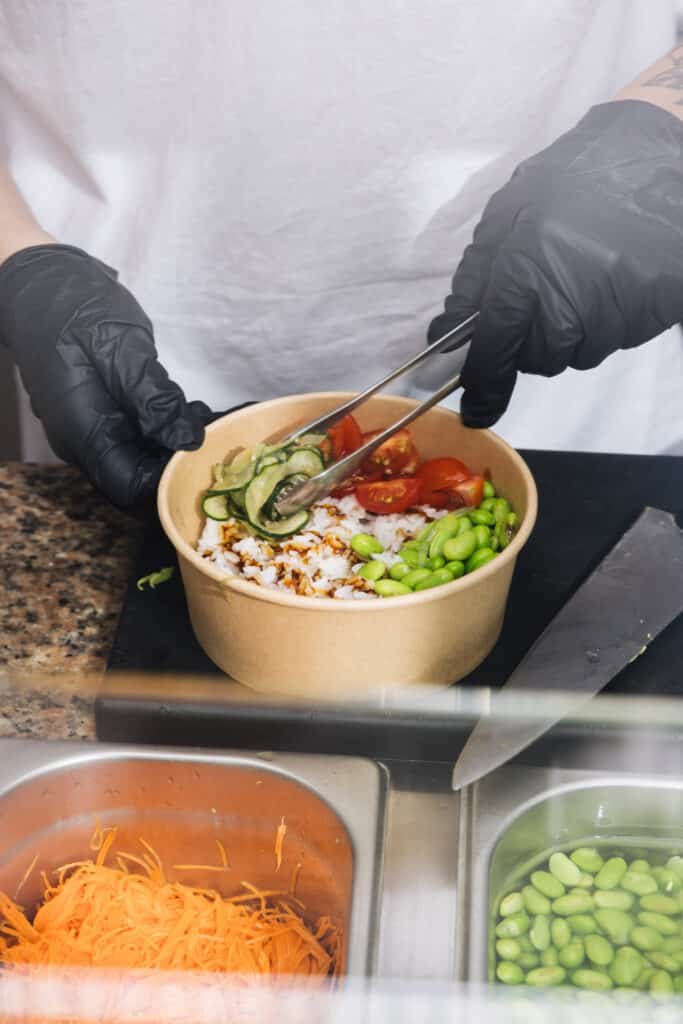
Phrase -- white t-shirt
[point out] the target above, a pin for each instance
(288, 188)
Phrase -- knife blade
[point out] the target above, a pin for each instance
(632, 595)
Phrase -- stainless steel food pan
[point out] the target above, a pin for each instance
(52, 795)
(516, 817)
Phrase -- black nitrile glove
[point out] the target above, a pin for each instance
(86, 354)
(580, 254)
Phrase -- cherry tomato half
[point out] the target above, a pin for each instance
(350, 485)
(438, 480)
(396, 457)
(385, 496)
(471, 490)
(345, 437)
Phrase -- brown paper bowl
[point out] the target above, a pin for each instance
(319, 647)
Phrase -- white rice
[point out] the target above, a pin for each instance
(318, 562)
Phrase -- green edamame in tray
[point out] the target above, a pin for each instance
(597, 920)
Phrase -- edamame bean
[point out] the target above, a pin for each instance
(667, 880)
(372, 571)
(513, 520)
(365, 545)
(546, 977)
(534, 901)
(642, 982)
(399, 570)
(627, 965)
(440, 536)
(595, 981)
(613, 899)
(501, 510)
(480, 517)
(465, 525)
(547, 884)
(640, 865)
(438, 562)
(587, 859)
(665, 962)
(413, 557)
(514, 926)
(599, 950)
(586, 881)
(579, 902)
(460, 548)
(494, 543)
(582, 924)
(617, 925)
(425, 534)
(660, 922)
(489, 490)
(529, 960)
(660, 904)
(412, 545)
(508, 949)
(563, 868)
(509, 973)
(560, 932)
(436, 579)
(647, 939)
(414, 577)
(675, 864)
(456, 569)
(502, 535)
(638, 882)
(677, 955)
(482, 535)
(611, 873)
(678, 984)
(525, 944)
(480, 557)
(513, 903)
(549, 957)
(672, 943)
(391, 588)
(539, 932)
(661, 984)
(572, 955)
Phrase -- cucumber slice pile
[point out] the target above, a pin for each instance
(250, 486)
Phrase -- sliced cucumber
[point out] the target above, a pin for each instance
(279, 491)
(217, 506)
(237, 475)
(311, 440)
(260, 489)
(308, 461)
(276, 529)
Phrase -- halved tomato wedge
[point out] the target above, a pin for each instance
(354, 481)
(471, 490)
(438, 480)
(396, 457)
(385, 496)
(345, 437)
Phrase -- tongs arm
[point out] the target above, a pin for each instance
(457, 336)
(305, 494)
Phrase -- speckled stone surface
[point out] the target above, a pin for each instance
(64, 557)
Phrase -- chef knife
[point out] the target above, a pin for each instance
(633, 594)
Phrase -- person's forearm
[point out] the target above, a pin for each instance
(661, 84)
(18, 227)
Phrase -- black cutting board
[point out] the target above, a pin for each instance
(586, 501)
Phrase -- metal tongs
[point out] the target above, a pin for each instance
(305, 494)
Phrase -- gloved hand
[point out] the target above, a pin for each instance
(86, 354)
(578, 255)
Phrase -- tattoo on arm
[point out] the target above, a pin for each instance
(671, 77)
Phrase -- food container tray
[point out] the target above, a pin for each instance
(54, 795)
(516, 817)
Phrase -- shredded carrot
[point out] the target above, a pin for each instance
(223, 854)
(131, 916)
(25, 877)
(294, 880)
(279, 839)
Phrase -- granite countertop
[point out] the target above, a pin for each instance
(65, 555)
